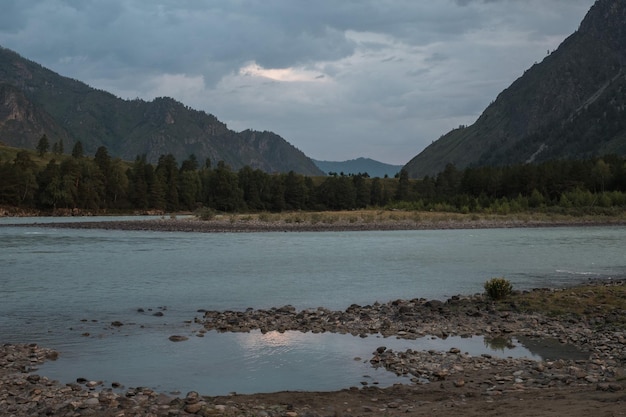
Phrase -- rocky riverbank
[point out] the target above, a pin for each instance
(582, 373)
(589, 350)
(329, 222)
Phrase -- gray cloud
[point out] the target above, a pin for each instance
(370, 78)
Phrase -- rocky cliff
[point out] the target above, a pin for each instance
(571, 105)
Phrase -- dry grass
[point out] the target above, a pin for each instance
(355, 216)
(373, 216)
(586, 300)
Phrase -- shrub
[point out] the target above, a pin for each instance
(206, 214)
(498, 288)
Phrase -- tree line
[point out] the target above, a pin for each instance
(592, 185)
(106, 183)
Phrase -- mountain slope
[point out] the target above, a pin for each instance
(359, 165)
(571, 105)
(35, 100)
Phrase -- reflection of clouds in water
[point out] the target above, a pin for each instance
(275, 338)
(348, 346)
(220, 363)
(257, 341)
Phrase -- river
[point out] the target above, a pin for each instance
(63, 288)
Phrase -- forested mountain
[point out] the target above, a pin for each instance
(36, 101)
(359, 166)
(572, 105)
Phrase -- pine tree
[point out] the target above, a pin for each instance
(43, 145)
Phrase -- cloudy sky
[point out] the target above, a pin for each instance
(339, 79)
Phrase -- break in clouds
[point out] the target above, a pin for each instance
(339, 80)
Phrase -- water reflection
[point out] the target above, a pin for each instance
(552, 349)
(220, 363)
(499, 343)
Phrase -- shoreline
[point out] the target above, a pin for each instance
(458, 384)
(301, 223)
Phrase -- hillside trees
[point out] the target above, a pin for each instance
(58, 148)
(255, 187)
(43, 145)
(18, 183)
(166, 174)
(115, 181)
(189, 184)
(190, 188)
(224, 193)
(50, 184)
(296, 192)
(104, 183)
(77, 150)
(337, 193)
(139, 176)
(402, 192)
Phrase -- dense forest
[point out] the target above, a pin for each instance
(50, 180)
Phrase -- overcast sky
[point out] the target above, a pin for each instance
(338, 79)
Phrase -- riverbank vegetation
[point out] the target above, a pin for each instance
(55, 181)
(603, 300)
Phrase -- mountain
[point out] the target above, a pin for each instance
(359, 165)
(35, 100)
(571, 105)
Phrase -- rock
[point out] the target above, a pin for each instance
(91, 402)
(611, 387)
(490, 375)
(93, 384)
(192, 397)
(195, 407)
(163, 399)
(178, 338)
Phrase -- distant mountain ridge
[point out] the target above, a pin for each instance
(359, 166)
(35, 100)
(571, 105)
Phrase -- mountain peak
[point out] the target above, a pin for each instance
(70, 110)
(571, 105)
(359, 165)
(606, 19)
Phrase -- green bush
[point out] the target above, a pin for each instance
(498, 288)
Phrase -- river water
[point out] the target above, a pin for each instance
(63, 288)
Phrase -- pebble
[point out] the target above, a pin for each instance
(24, 393)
